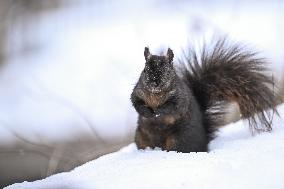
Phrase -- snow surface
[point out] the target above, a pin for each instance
(236, 160)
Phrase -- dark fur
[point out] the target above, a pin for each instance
(182, 112)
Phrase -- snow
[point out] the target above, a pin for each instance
(236, 160)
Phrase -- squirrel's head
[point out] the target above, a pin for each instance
(159, 71)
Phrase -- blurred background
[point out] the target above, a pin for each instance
(67, 69)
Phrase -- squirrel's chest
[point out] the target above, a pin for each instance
(154, 100)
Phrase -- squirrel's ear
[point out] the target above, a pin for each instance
(170, 55)
(147, 53)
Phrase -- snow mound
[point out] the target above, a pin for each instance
(236, 160)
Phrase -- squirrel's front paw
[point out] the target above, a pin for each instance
(146, 111)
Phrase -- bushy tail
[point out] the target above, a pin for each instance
(229, 73)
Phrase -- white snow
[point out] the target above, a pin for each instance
(236, 160)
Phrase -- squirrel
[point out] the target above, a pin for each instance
(181, 107)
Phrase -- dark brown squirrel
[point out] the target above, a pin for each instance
(181, 107)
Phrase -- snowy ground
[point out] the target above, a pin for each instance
(236, 160)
